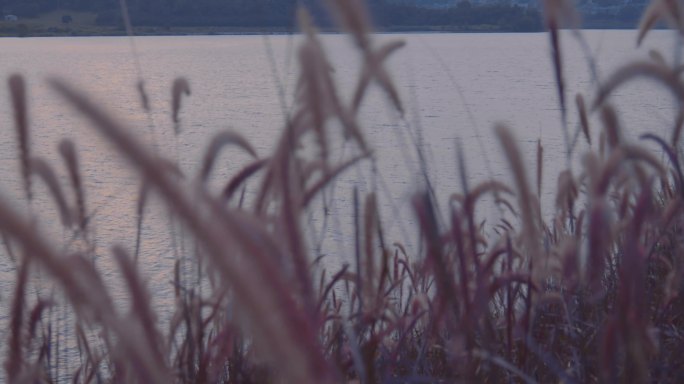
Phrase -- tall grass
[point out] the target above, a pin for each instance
(591, 294)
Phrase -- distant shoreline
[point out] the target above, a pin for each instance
(234, 31)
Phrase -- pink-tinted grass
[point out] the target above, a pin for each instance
(592, 294)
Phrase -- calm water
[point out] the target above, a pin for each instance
(455, 87)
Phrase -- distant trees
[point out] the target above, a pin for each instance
(282, 13)
(32, 8)
(22, 30)
(205, 13)
(108, 17)
(463, 16)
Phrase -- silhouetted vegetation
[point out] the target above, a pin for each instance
(281, 13)
(386, 14)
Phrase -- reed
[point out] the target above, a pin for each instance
(594, 293)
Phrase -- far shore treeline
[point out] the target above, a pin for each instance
(280, 15)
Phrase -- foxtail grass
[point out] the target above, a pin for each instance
(592, 292)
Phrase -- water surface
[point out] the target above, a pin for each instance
(454, 87)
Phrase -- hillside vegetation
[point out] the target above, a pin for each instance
(274, 14)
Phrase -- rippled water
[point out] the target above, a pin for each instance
(454, 87)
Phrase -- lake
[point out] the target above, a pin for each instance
(455, 87)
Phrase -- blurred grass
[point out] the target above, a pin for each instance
(594, 294)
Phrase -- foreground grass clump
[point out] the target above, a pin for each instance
(591, 295)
